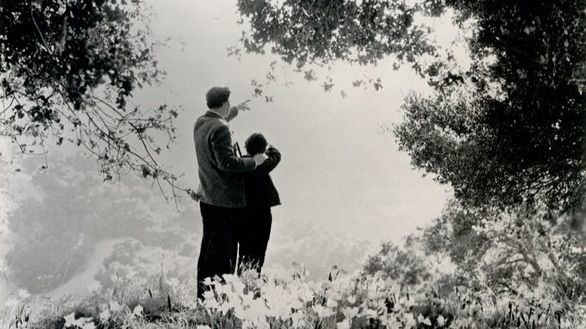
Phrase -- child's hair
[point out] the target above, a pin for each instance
(255, 143)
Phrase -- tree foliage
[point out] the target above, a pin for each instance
(507, 129)
(68, 70)
(322, 31)
(510, 129)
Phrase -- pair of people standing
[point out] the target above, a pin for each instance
(236, 192)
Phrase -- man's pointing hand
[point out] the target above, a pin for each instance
(235, 109)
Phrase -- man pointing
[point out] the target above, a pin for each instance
(222, 189)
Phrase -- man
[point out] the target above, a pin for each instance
(223, 195)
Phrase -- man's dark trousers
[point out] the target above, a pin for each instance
(219, 243)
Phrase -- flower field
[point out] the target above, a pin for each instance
(288, 300)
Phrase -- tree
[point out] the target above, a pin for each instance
(319, 33)
(323, 31)
(67, 71)
(508, 129)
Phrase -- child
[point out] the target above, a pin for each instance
(261, 195)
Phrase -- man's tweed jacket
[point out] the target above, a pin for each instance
(218, 166)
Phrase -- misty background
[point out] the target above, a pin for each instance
(344, 185)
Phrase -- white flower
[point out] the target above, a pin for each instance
(406, 302)
(137, 310)
(69, 320)
(62, 8)
(230, 278)
(350, 312)
(252, 316)
(304, 293)
(410, 321)
(331, 303)
(426, 321)
(351, 299)
(441, 321)
(343, 325)
(210, 303)
(208, 294)
(224, 307)
(323, 312)
(238, 286)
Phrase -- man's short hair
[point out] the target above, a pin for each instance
(255, 143)
(217, 96)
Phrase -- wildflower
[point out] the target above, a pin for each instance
(224, 307)
(345, 324)
(304, 293)
(209, 301)
(323, 312)
(228, 278)
(298, 319)
(253, 315)
(426, 321)
(238, 286)
(410, 321)
(350, 312)
(351, 299)
(69, 320)
(331, 303)
(441, 321)
(138, 309)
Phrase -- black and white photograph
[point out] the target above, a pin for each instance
(292, 164)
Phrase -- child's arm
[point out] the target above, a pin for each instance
(274, 157)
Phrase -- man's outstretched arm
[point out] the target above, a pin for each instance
(235, 109)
